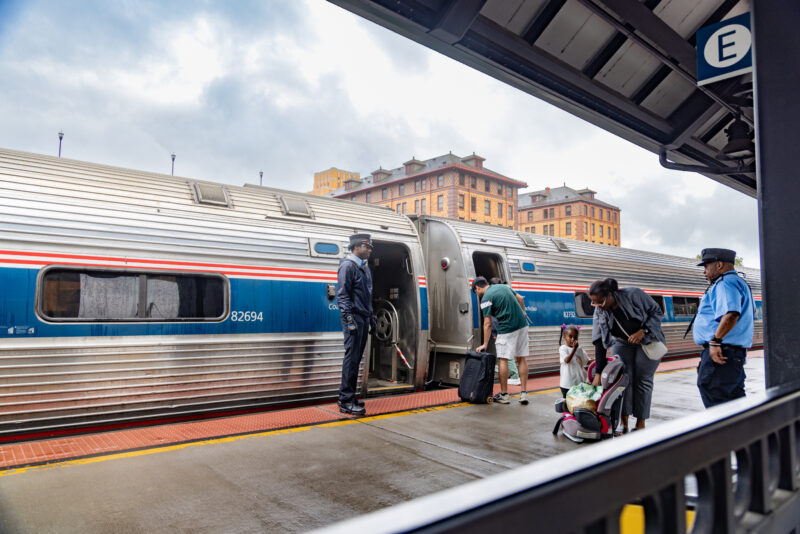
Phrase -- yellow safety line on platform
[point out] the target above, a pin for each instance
(229, 439)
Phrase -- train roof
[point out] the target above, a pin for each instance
(114, 207)
(580, 261)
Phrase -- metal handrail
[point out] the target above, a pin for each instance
(586, 489)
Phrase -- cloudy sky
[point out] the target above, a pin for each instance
(292, 87)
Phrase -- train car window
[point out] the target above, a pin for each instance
(327, 248)
(529, 267)
(98, 295)
(583, 305)
(685, 306)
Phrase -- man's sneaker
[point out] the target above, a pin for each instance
(502, 398)
(514, 381)
(523, 397)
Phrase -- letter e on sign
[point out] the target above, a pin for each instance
(724, 50)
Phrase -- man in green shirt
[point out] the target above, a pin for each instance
(500, 301)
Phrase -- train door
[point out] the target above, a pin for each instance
(393, 345)
(489, 266)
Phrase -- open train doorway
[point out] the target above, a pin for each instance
(392, 347)
(489, 266)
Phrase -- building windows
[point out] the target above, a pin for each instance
(487, 207)
(510, 211)
(473, 203)
(440, 202)
(568, 229)
(416, 206)
(460, 178)
(510, 192)
(585, 228)
(404, 207)
(592, 211)
(615, 234)
(384, 193)
(499, 209)
(609, 231)
(544, 212)
(440, 180)
(533, 229)
(369, 195)
(424, 185)
(592, 230)
(608, 215)
(399, 208)
(416, 186)
(568, 211)
(584, 209)
(530, 215)
(601, 213)
(552, 229)
(401, 189)
(615, 216)
(487, 185)
(461, 202)
(544, 229)
(499, 189)
(473, 182)
(422, 204)
(601, 230)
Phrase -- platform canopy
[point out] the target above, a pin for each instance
(627, 66)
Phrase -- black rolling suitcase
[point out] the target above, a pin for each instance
(477, 380)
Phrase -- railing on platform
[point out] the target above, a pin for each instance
(744, 456)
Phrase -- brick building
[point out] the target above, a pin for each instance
(447, 186)
(330, 180)
(570, 213)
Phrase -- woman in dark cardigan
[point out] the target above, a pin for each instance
(623, 320)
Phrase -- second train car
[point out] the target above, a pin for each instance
(132, 296)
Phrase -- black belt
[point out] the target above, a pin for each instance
(726, 346)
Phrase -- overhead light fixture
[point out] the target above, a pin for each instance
(740, 141)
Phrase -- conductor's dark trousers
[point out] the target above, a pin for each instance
(354, 343)
(721, 383)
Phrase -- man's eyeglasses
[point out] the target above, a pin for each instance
(596, 305)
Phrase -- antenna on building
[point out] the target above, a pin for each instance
(172, 171)
(60, 137)
(260, 177)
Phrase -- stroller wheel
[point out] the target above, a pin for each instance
(489, 399)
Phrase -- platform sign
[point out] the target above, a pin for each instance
(724, 50)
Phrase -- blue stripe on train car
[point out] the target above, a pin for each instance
(284, 306)
(423, 303)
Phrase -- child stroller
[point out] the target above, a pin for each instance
(584, 423)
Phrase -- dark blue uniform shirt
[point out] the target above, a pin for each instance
(354, 294)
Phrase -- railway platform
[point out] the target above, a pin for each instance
(295, 469)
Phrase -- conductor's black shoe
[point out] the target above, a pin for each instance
(359, 402)
(352, 408)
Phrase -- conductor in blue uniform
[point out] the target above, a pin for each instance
(355, 306)
(724, 327)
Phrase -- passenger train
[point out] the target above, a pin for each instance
(131, 296)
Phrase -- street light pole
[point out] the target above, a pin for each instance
(60, 137)
(173, 164)
(260, 177)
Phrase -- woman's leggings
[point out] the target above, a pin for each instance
(640, 370)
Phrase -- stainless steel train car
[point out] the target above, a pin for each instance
(133, 296)
(553, 276)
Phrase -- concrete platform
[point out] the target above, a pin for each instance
(301, 477)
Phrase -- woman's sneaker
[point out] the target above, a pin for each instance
(523, 398)
(502, 398)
